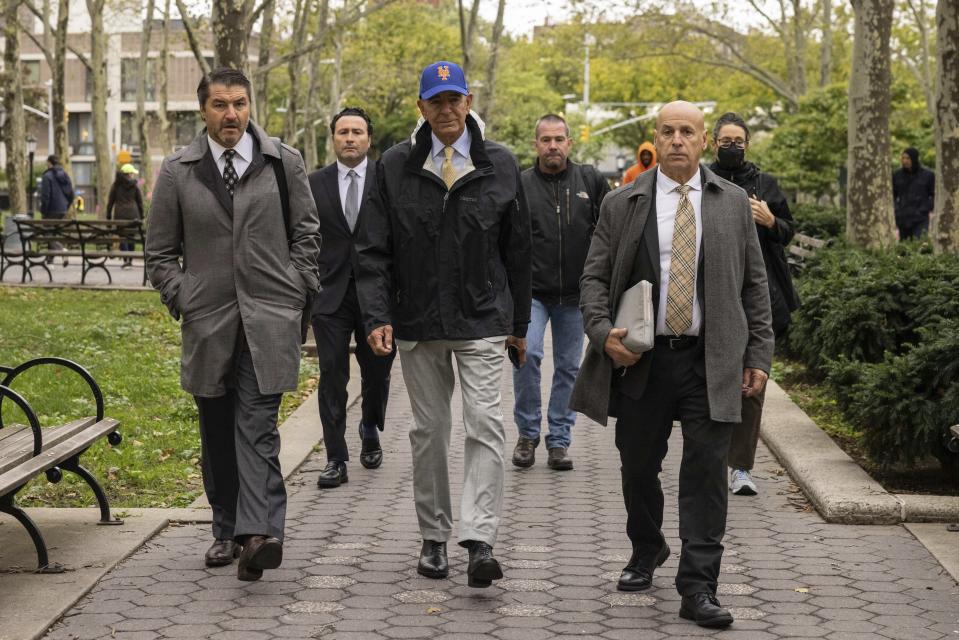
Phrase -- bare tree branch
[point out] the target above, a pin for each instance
(777, 27)
(80, 56)
(320, 42)
(191, 36)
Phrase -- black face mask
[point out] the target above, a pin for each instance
(731, 157)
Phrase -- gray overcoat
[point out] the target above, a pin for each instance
(738, 323)
(238, 266)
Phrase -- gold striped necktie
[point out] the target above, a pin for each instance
(449, 173)
(682, 268)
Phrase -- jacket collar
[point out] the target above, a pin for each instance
(645, 184)
(200, 145)
(423, 145)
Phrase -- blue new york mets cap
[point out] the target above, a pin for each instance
(442, 76)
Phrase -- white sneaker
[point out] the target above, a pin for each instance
(741, 484)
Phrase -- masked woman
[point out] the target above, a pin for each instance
(774, 224)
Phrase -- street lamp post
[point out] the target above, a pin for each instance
(31, 149)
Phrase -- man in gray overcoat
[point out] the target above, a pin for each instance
(236, 269)
(691, 235)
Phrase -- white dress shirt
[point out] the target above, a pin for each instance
(667, 201)
(343, 173)
(242, 159)
(462, 163)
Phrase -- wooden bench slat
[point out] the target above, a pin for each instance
(55, 455)
(19, 448)
(799, 251)
(11, 430)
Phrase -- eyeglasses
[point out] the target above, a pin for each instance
(725, 143)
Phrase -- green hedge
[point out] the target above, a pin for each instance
(906, 402)
(881, 328)
(819, 221)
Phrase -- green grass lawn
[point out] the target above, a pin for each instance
(131, 346)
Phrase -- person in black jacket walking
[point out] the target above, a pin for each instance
(56, 196)
(125, 203)
(914, 192)
(444, 262)
(563, 199)
(774, 225)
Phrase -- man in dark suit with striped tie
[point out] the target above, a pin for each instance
(341, 190)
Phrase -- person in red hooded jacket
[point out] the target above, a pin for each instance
(645, 160)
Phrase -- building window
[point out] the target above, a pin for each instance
(30, 72)
(80, 134)
(82, 173)
(129, 76)
(128, 132)
(186, 125)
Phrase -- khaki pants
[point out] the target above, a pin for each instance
(428, 372)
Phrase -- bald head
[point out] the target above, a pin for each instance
(680, 139)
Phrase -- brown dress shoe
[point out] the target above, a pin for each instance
(558, 460)
(259, 553)
(221, 553)
(524, 454)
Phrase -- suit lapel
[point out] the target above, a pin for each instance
(331, 182)
(211, 178)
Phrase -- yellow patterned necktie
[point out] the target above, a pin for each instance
(682, 268)
(449, 173)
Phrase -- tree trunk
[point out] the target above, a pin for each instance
(230, 32)
(163, 92)
(191, 38)
(98, 103)
(798, 50)
(58, 106)
(261, 82)
(467, 27)
(825, 47)
(945, 222)
(335, 87)
(869, 213)
(15, 129)
(310, 113)
(142, 122)
(301, 15)
(488, 109)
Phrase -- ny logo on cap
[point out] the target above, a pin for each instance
(443, 71)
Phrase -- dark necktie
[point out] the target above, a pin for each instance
(352, 208)
(229, 171)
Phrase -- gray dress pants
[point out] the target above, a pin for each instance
(241, 463)
(428, 372)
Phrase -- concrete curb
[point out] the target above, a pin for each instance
(838, 487)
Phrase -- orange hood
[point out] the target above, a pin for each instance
(647, 146)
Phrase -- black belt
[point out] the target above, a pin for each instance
(676, 343)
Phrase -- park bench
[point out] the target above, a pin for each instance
(27, 450)
(801, 249)
(92, 241)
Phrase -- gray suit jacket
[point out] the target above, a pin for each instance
(737, 323)
(239, 268)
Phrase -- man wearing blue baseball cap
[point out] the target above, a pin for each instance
(444, 271)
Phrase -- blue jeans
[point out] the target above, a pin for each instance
(567, 326)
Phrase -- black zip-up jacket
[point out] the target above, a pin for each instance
(913, 192)
(563, 209)
(440, 264)
(762, 186)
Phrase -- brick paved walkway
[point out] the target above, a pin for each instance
(350, 556)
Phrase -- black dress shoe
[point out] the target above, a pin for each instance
(371, 455)
(638, 575)
(221, 553)
(259, 553)
(433, 562)
(333, 475)
(704, 609)
(483, 567)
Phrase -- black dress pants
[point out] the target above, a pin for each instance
(675, 390)
(241, 464)
(333, 332)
